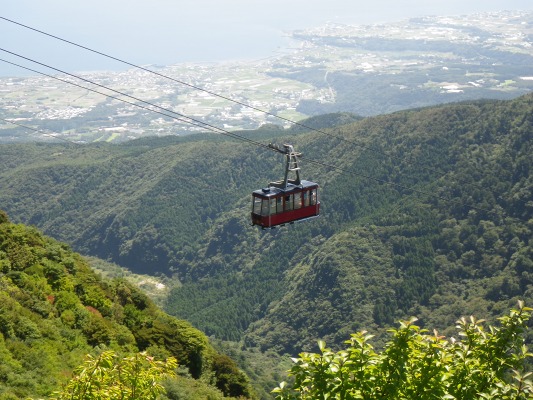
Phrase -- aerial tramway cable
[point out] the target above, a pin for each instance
(195, 87)
(196, 122)
(38, 130)
(218, 130)
(179, 117)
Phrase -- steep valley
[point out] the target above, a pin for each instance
(425, 212)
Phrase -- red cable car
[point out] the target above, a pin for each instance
(285, 201)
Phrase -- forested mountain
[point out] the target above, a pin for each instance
(54, 310)
(428, 212)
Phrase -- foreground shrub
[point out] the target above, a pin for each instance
(481, 363)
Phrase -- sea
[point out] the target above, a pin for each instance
(165, 32)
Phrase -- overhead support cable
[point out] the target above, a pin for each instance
(38, 130)
(196, 122)
(195, 87)
(183, 118)
(167, 112)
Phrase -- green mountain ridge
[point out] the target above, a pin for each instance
(55, 309)
(428, 212)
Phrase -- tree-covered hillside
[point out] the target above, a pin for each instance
(452, 239)
(54, 310)
(427, 212)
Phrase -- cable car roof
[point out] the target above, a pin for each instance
(273, 191)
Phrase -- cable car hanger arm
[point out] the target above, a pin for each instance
(291, 165)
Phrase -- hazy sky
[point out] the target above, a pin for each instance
(173, 31)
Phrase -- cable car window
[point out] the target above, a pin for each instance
(297, 201)
(313, 197)
(306, 198)
(279, 202)
(289, 202)
(257, 205)
(264, 207)
(273, 206)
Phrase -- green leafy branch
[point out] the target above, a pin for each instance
(486, 363)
